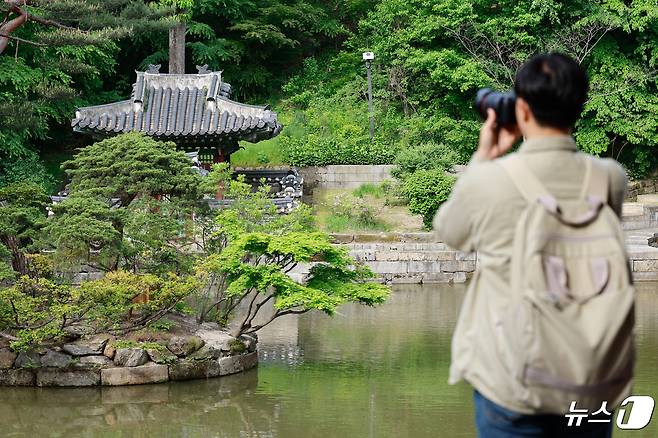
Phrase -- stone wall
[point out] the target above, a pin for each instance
(97, 362)
(343, 177)
(416, 258)
(648, 186)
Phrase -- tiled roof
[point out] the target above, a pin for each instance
(181, 107)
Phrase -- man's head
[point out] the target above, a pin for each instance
(551, 91)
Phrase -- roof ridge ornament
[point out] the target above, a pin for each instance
(203, 69)
(154, 69)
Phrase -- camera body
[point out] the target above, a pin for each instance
(502, 103)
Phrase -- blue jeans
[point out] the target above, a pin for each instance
(494, 421)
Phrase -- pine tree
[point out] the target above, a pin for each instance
(75, 22)
(57, 53)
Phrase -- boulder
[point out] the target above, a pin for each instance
(183, 346)
(88, 347)
(55, 377)
(55, 359)
(76, 331)
(150, 373)
(207, 352)
(130, 357)
(250, 342)
(217, 339)
(188, 369)
(237, 364)
(7, 358)
(95, 362)
(17, 378)
(161, 356)
(109, 350)
(28, 359)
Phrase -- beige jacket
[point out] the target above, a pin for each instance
(481, 216)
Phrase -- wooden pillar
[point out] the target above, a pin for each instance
(177, 49)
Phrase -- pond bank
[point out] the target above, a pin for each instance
(102, 360)
(417, 258)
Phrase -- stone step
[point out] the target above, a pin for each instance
(630, 209)
(648, 199)
(633, 225)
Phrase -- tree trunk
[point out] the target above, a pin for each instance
(18, 260)
(177, 49)
(10, 26)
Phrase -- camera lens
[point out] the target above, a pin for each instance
(502, 103)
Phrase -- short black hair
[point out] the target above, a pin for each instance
(555, 87)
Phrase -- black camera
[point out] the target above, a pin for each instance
(501, 103)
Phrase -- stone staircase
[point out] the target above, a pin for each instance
(642, 214)
(643, 257)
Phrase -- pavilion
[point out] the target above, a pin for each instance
(192, 110)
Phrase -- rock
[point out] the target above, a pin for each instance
(95, 362)
(237, 364)
(7, 358)
(55, 377)
(207, 352)
(183, 346)
(161, 356)
(130, 357)
(89, 347)
(250, 342)
(109, 350)
(17, 378)
(217, 339)
(28, 359)
(76, 331)
(54, 359)
(187, 369)
(151, 373)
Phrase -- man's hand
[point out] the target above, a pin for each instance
(495, 141)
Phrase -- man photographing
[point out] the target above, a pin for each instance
(546, 325)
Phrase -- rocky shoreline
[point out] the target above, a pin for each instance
(191, 352)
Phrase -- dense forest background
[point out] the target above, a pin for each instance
(304, 58)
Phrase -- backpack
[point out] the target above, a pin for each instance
(570, 334)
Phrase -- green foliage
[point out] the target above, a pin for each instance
(22, 217)
(41, 84)
(236, 346)
(131, 202)
(255, 267)
(432, 56)
(368, 189)
(424, 156)
(426, 190)
(36, 312)
(162, 325)
(251, 251)
(354, 213)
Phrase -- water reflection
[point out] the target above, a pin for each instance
(365, 373)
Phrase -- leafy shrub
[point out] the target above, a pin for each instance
(425, 156)
(36, 312)
(426, 190)
(325, 151)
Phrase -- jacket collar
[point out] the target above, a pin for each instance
(549, 143)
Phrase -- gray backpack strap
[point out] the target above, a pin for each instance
(597, 182)
(524, 180)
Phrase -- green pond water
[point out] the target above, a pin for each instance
(365, 373)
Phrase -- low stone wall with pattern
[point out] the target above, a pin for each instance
(416, 258)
